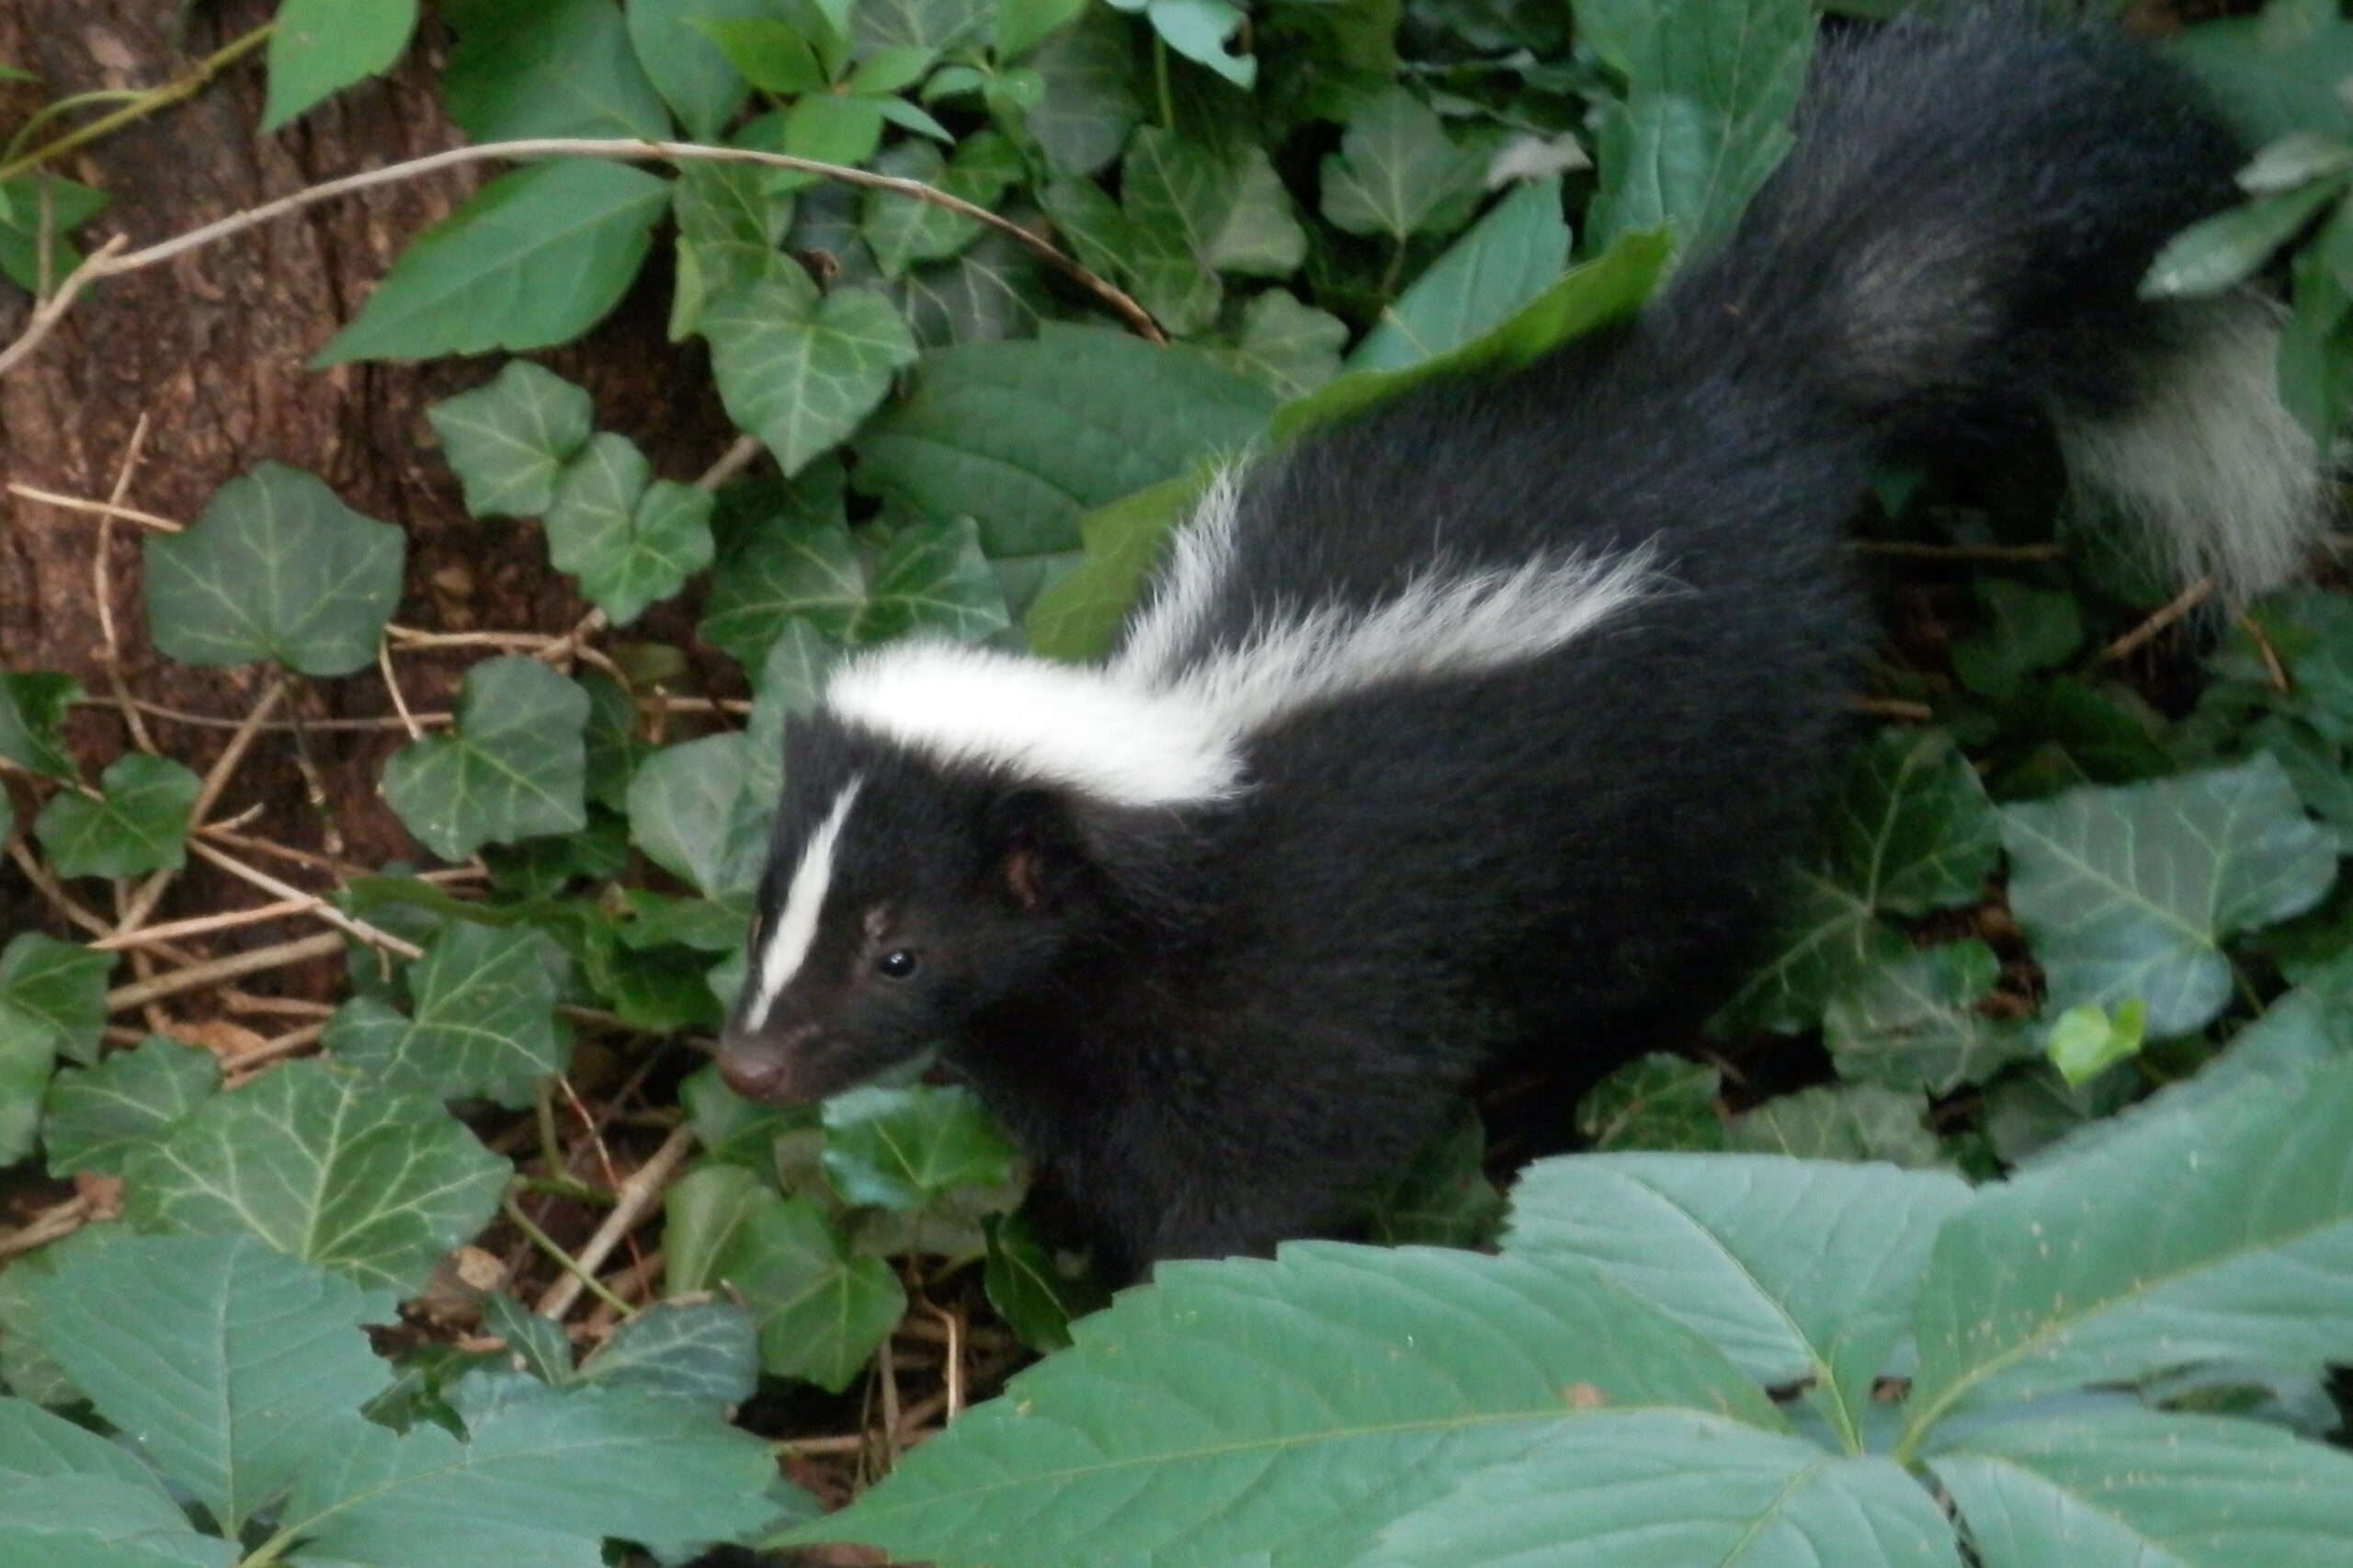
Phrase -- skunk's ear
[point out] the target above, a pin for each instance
(1038, 852)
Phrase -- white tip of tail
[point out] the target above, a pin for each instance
(2206, 463)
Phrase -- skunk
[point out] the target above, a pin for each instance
(1478, 727)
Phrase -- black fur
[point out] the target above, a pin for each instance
(1215, 1029)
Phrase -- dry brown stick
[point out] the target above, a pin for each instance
(314, 906)
(235, 1069)
(102, 588)
(216, 780)
(233, 966)
(2272, 667)
(1906, 550)
(2172, 609)
(393, 685)
(631, 1200)
(246, 1002)
(734, 460)
(197, 926)
(316, 726)
(97, 508)
(1892, 708)
(111, 260)
(49, 1225)
(53, 892)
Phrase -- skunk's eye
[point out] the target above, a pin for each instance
(896, 964)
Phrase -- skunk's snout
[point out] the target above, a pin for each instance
(767, 1068)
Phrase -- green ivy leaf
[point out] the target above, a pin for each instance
(97, 1118)
(536, 257)
(1397, 172)
(935, 25)
(934, 578)
(1286, 347)
(1509, 256)
(325, 1165)
(630, 543)
(1191, 212)
(684, 64)
(2028, 630)
(2129, 893)
(137, 824)
(1199, 30)
(1442, 1197)
(1841, 1122)
(705, 1353)
(31, 708)
(71, 204)
(507, 441)
(993, 291)
(2225, 249)
(1801, 1273)
(1021, 25)
(1230, 1384)
(690, 812)
(901, 232)
(484, 1019)
(274, 568)
(789, 557)
(820, 1312)
(230, 1361)
(1029, 1286)
(319, 47)
(551, 68)
(771, 54)
(2086, 1041)
(2102, 1266)
(1077, 615)
(800, 370)
(1913, 1024)
(1655, 1102)
(1710, 86)
(1088, 102)
(52, 997)
(1026, 437)
(730, 222)
(2115, 1488)
(704, 1211)
(900, 1148)
(512, 765)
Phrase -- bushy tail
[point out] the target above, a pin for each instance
(1963, 226)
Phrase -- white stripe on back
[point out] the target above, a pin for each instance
(789, 940)
(1198, 560)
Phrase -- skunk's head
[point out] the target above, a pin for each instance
(954, 821)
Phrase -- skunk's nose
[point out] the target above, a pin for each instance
(754, 1074)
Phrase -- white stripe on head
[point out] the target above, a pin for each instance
(1437, 628)
(1200, 557)
(795, 930)
(1056, 723)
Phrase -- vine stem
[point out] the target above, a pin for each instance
(142, 105)
(112, 260)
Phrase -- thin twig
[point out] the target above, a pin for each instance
(199, 926)
(98, 508)
(315, 906)
(393, 685)
(246, 1063)
(579, 1274)
(53, 891)
(185, 86)
(49, 1225)
(2273, 667)
(216, 780)
(235, 966)
(102, 588)
(631, 1200)
(732, 461)
(1906, 550)
(2181, 604)
(316, 726)
(111, 260)
(1892, 708)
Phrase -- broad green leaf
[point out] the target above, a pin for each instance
(933, 578)
(549, 68)
(536, 257)
(534, 1480)
(684, 63)
(54, 997)
(2086, 1041)
(2129, 893)
(1192, 212)
(275, 568)
(1799, 1272)
(2269, 82)
(2218, 252)
(1673, 1489)
(1913, 1024)
(2130, 1489)
(900, 1148)
(706, 1209)
(318, 47)
(97, 1118)
(42, 1449)
(37, 1545)
(1200, 30)
(1225, 1412)
(536, 1343)
(993, 291)
(139, 823)
(770, 53)
(70, 204)
(901, 231)
(1397, 172)
(484, 1018)
(2028, 629)
(1089, 102)
(31, 706)
(936, 25)
(228, 1361)
(2218, 1231)
(511, 765)
(1025, 437)
(1509, 256)
(705, 1353)
(1655, 1102)
(1288, 347)
(1824, 940)
(1021, 25)
(1840, 1121)
(1077, 615)
(631, 543)
(789, 557)
(730, 222)
(1030, 1287)
(1584, 300)
(689, 810)
(1442, 1196)
(820, 1312)
(508, 441)
(800, 370)
(1710, 88)
(328, 1165)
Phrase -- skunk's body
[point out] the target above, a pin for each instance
(1478, 725)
